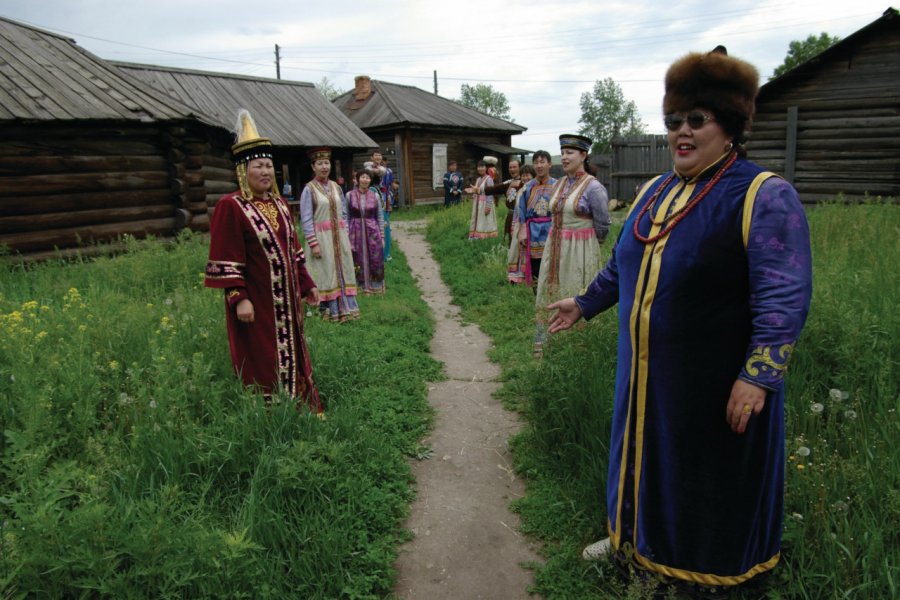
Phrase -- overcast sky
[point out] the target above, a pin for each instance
(543, 54)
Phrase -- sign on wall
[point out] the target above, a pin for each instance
(438, 164)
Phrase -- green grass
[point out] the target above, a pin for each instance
(414, 213)
(842, 510)
(134, 465)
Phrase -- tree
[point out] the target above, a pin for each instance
(328, 89)
(607, 115)
(484, 98)
(801, 51)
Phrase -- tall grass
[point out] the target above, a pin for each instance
(842, 525)
(134, 464)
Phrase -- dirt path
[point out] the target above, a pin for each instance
(466, 541)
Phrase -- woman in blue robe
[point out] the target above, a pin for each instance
(712, 276)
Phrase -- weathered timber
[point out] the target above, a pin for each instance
(82, 182)
(52, 165)
(35, 205)
(89, 146)
(218, 174)
(65, 238)
(219, 188)
(83, 217)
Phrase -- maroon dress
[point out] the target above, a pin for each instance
(254, 254)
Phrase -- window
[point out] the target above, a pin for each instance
(438, 164)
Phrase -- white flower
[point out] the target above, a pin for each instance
(834, 394)
(168, 301)
(850, 414)
(817, 407)
(153, 404)
(797, 516)
(845, 395)
(802, 451)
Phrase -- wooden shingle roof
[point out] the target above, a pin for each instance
(392, 105)
(47, 77)
(888, 21)
(289, 113)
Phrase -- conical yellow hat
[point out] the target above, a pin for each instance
(249, 143)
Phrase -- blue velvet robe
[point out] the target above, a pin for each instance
(723, 296)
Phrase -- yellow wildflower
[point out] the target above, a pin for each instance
(30, 305)
(82, 328)
(800, 466)
(114, 365)
(41, 335)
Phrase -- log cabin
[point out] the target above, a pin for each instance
(89, 155)
(831, 125)
(418, 132)
(294, 115)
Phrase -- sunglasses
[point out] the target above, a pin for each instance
(695, 120)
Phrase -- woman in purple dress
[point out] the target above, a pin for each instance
(366, 228)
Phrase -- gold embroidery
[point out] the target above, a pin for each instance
(233, 294)
(270, 212)
(762, 360)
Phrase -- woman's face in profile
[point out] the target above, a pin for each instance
(260, 175)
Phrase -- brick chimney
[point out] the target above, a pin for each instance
(363, 87)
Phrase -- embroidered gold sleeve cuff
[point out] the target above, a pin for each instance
(221, 269)
(235, 295)
(766, 365)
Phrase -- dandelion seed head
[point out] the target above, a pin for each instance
(845, 395)
(834, 394)
(168, 301)
(850, 414)
(153, 404)
(803, 451)
(797, 516)
(817, 408)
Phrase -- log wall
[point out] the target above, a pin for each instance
(64, 186)
(835, 128)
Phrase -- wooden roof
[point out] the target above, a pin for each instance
(48, 77)
(392, 105)
(888, 21)
(289, 113)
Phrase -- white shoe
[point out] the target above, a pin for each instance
(597, 550)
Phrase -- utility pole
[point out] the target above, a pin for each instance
(277, 62)
(435, 82)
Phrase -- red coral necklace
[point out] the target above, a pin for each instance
(676, 217)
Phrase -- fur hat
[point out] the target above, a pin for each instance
(490, 160)
(712, 80)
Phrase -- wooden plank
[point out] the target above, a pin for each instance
(790, 144)
(50, 165)
(82, 182)
(84, 217)
(65, 238)
(49, 203)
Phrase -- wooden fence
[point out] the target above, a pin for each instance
(635, 159)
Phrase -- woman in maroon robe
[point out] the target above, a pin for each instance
(255, 257)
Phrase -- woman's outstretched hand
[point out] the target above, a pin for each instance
(567, 314)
